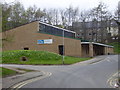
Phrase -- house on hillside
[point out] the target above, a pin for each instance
(96, 31)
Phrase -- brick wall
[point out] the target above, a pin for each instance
(27, 36)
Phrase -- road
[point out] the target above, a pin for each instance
(94, 75)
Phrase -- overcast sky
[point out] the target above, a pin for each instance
(82, 4)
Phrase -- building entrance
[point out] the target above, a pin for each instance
(61, 49)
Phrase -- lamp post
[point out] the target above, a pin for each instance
(63, 49)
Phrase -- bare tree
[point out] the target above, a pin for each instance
(63, 17)
(70, 15)
(84, 18)
(101, 14)
(117, 19)
(39, 14)
(56, 16)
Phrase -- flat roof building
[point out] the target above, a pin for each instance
(44, 37)
(93, 49)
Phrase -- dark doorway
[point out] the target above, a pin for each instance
(26, 48)
(61, 49)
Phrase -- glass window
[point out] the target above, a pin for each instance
(55, 31)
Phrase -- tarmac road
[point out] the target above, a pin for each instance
(95, 75)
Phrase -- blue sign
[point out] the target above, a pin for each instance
(45, 41)
(40, 41)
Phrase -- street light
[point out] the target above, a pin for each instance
(63, 49)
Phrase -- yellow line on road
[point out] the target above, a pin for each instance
(110, 80)
(18, 86)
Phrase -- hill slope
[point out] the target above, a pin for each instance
(37, 57)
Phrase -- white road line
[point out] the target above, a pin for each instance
(16, 87)
(108, 60)
(112, 76)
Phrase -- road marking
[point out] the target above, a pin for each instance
(18, 86)
(97, 61)
(108, 60)
(112, 77)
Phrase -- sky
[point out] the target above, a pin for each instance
(82, 4)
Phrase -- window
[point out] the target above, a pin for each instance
(90, 34)
(55, 31)
(82, 34)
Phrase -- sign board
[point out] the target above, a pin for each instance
(45, 41)
(40, 41)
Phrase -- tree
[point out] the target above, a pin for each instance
(63, 17)
(13, 15)
(117, 19)
(16, 14)
(49, 16)
(84, 18)
(101, 14)
(39, 14)
(6, 9)
(31, 11)
(71, 14)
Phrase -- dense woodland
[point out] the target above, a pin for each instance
(15, 14)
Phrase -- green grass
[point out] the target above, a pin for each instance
(37, 57)
(71, 60)
(6, 72)
(116, 47)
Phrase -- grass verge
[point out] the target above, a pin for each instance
(4, 72)
(37, 58)
(116, 47)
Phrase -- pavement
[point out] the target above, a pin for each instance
(91, 61)
(13, 80)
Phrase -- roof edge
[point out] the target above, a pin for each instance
(56, 27)
(97, 44)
